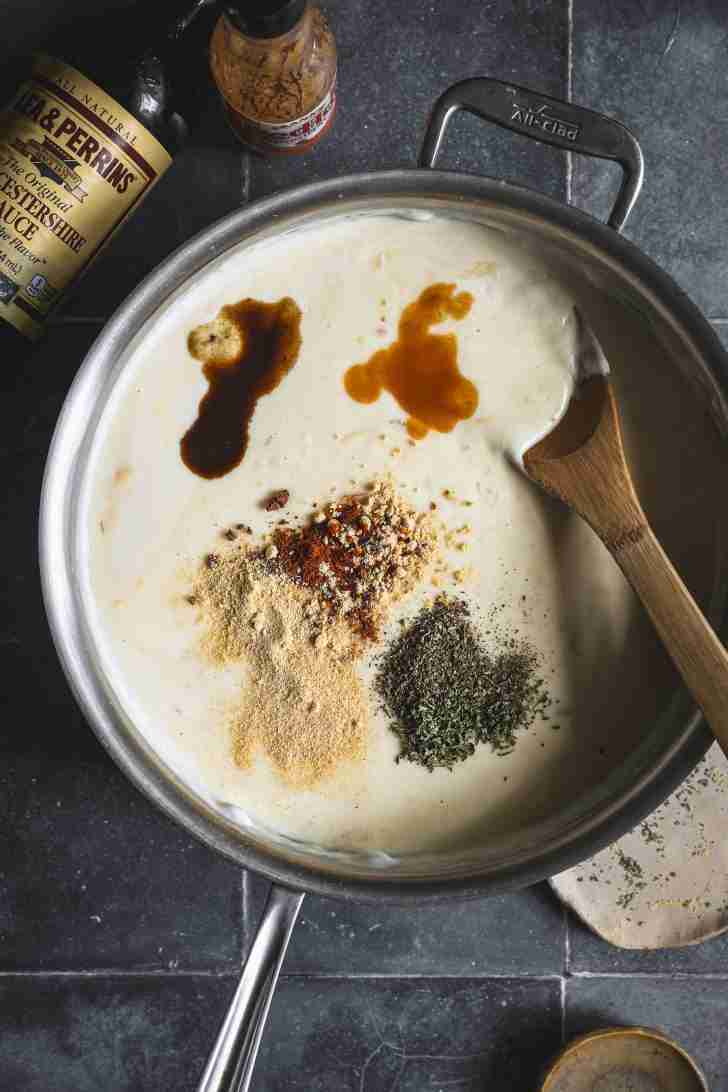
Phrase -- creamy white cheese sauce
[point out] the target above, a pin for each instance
(149, 521)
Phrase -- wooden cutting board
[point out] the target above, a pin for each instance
(665, 884)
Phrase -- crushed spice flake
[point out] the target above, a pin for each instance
(277, 500)
(357, 555)
(445, 692)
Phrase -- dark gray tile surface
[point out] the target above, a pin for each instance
(124, 1034)
(659, 66)
(396, 59)
(692, 1012)
(41, 718)
(93, 876)
(368, 1035)
(589, 953)
(119, 937)
(99, 879)
(474, 938)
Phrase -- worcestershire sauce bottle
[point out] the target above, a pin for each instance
(82, 142)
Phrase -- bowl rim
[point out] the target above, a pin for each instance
(636, 1031)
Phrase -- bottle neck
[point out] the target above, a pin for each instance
(184, 21)
(145, 78)
(269, 19)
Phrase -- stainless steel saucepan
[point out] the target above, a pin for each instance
(663, 754)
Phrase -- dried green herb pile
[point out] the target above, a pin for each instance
(446, 693)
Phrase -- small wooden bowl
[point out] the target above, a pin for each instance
(624, 1060)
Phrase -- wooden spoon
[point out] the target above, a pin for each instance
(582, 462)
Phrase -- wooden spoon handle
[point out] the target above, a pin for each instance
(695, 649)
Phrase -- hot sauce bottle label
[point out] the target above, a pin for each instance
(285, 135)
(73, 165)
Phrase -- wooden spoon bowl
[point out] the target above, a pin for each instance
(582, 462)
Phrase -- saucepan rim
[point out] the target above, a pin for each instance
(451, 191)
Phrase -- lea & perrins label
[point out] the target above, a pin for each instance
(73, 165)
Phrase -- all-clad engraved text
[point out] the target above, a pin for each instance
(542, 118)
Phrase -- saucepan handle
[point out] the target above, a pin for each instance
(230, 1065)
(551, 121)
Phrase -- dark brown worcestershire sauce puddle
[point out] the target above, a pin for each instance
(420, 369)
(246, 352)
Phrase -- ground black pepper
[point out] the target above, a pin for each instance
(446, 693)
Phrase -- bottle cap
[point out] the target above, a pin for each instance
(265, 18)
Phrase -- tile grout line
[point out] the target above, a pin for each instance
(569, 90)
(114, 972)
(669, 976)
(430, 977)
(234, 972)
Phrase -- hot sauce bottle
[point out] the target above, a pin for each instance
(274, 64)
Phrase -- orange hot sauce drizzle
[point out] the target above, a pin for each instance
(420, 369)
